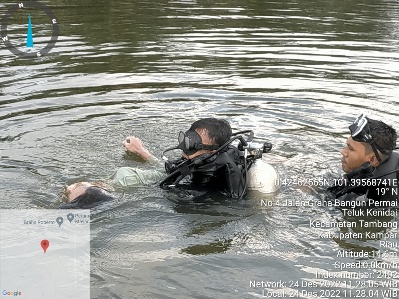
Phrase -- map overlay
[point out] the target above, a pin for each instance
(45, 254)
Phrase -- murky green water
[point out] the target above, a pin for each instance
(295, 72)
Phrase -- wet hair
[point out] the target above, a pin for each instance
(218, 130)
(91, 197)
(383, 135)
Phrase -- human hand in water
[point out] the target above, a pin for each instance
(135, 145)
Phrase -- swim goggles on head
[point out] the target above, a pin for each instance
(190, 142)
(360, 132)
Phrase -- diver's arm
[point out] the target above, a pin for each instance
(135, 145)
(134, 177)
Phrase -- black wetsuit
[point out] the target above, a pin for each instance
(223, 172)
(378, 187)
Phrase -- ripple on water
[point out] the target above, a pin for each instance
(294, 72)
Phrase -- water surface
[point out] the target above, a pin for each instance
(295, 72)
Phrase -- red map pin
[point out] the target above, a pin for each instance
(45, 244)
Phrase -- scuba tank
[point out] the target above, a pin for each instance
(263, 177)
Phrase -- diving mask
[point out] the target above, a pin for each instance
(360, 132)
(190, 142)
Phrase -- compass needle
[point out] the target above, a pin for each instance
(29, 36)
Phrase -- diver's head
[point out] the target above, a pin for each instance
(204, 136)
(370, 141)
(217, 130)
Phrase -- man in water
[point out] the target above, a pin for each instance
(369, 163)
(206, 160)
(202, 141)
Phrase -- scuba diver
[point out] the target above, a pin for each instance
(370, 164)
(210, 162)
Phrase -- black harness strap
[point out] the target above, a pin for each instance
(223, 170)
